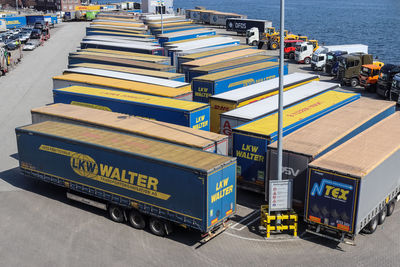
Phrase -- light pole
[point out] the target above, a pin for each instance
(16, 5)
(281, 73)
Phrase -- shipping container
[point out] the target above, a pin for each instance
(220, 18)
(156, 130)
(227, 65)
(145, 49)
(200, 55)
(137, 57)
(224, 102)
(152, 73)
(205, 86)
(321, 136)
(127, 77)
(250, 140)
(180, 112)
(183, 35)
(77, 59)
(354, 186)
(170, 183)
(184, 92)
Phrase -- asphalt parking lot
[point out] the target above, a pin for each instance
(40, 227)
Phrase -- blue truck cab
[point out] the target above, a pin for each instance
(332, 62)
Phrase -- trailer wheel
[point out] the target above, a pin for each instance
(157, 226)
(382, 215)
(307, 60)
(136, 219)
(390, 208)
(372, 225)
(116, 213)
(354, 82)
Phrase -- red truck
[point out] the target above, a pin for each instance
(290, 48)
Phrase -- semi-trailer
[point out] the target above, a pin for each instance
(250, 140)
(200, 55)
(134, 56)
(205, 86)
(355, 186)
(77, 59)
(132, 178)
(186, 66)
(137, 48)
(140, 26)
(72, 79)
(224, 102)
(227, 65)
(321, 136)
(219, 18)
(119, 34)
(210, 43)
(127, 77)
(242, 25)
(114, 29)
(118, 122)
(121, 39)
(152, 73)
(157, 31)
(181, 112)
(253, 111)
(116, 52)
(183, 35)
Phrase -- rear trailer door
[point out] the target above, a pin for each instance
(332, 200)
(221, 198)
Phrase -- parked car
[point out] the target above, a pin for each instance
(36, 34)
(30, 45)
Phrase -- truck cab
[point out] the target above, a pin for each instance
(290, 48)
(252, 36)
(385, 80)
(369, 75)
(304, 52)
(318, 59)
(332, 64)
(395, 89)
(350, 67)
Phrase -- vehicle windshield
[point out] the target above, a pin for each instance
(383, 76)
(366, 71)
(396, 84)
(343, 62)
(329, 57)
(315, 58)
(249, 33)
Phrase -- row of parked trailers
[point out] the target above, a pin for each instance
(126, 123)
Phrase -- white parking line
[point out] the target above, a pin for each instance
(245, 218)
(244, 226)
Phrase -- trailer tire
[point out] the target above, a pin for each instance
(354, 82)
(382, 215)
(390, 208)
(307, 60)
(136, 220)
(116, 213)
(157, 226)
(372, 225)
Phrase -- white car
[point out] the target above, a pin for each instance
(29, 46)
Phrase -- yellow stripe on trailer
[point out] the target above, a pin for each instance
(124, 34)
(158, 25)
(214, 52)
(127, 96)
(116, 29)
(117, 19)
(132, 86)
(232, 72)
(133, 25)
(152, 73)
(116, 52)
(136, 57)
(268, 125)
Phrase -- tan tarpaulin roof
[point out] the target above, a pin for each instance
(361, 154)
(136, 145)
(155, 129)
(315, 137)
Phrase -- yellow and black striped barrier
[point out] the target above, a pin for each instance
(288, 221)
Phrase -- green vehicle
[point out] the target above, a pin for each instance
(350, 67)
(91, 15)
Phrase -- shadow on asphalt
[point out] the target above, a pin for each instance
(53, 192)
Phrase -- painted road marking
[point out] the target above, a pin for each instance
(247, 224)
(245, 219)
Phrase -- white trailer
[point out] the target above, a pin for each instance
(318, 59)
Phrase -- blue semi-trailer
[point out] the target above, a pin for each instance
(136, 179)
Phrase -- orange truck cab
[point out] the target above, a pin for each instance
(369, 75)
